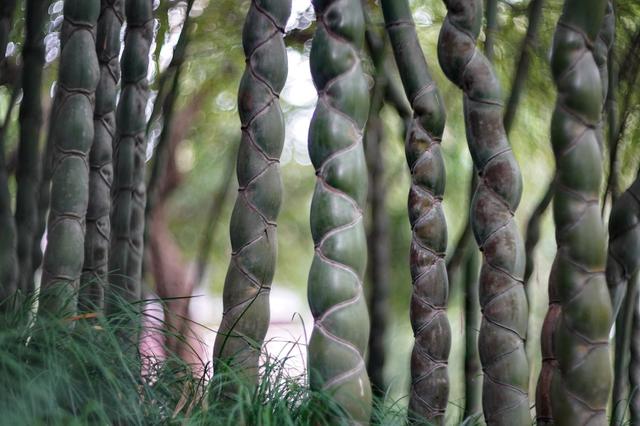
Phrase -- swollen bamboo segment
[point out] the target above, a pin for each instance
(129, 153)
(623, 261)
(72, 136)
(579, 386)
(502, 295)
(429, 377)
(341, 328)
(96, 245)
(253, 222)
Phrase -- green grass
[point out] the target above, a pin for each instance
(87, 370)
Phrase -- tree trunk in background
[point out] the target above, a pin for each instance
(96, 245)
(378, 243)
(174, 284)
(502, 295)
(341, 324)
(623, 80)
(579, 336)
(167, 101)
(72, 135)
(253, 223)
(429, 375)
(127, 213)
(8, 242)
(7, 9)
(28, 164)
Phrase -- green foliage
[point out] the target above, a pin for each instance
(81, 371)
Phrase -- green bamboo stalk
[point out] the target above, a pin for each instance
(623, 265)
(524, 62)
(429, 375)
(72, 136)
(253, 221)
(502, 295)
(601, 48)
(341, 327)
(576, 379)
(622, 355)
(129, 154)
(472, 316)
(491, 28)
(28, 166)
(533, 229)
(98, 234)
(7, 9)
(378, 244)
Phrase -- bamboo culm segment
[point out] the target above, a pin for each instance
(341, 326)
(253, 222)
(623, 260)
(129, 153)
(578, 388)
(72, 136)
(429, 376)
(28, 171)
(503, 329)
(96, 245)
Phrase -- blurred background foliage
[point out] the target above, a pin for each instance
(211, 129)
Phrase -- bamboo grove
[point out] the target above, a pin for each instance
(84, 234)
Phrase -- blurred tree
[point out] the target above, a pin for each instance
(28, 165)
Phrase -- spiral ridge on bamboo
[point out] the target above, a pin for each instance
(578, 388)
(429, 375)
(129, 154)
(253, 222)
(341, 326)
(503, 300)
(624, 243)
(72, 133)
(96, 244)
